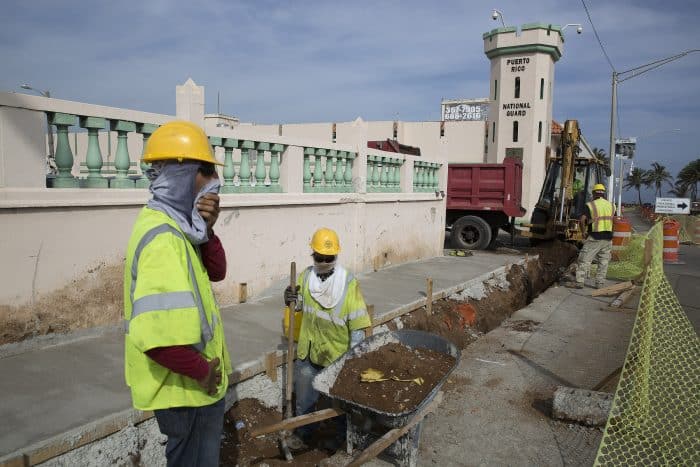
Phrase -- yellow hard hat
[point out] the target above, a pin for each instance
(598, 187)
(179, 140)
(325, 241)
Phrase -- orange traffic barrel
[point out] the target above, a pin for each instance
(622, 233)
(696, 231)
(671, 230)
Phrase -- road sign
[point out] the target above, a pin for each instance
(672, 206)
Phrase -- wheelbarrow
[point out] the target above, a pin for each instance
(368, 427)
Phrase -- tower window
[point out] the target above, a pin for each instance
(493, 132)
(495, 89)
(442, 129)
(515, 132)
(517, 87)
(539, 133)
(542, 88)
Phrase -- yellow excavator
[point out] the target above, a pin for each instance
(569, 178)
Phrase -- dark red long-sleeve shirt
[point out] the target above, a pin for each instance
(183, 359)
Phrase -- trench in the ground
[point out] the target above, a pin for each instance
(460, 321)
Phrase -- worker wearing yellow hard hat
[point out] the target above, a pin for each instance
(334, 315)
(598, 222)
(176, 360)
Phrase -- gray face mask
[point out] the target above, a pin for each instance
(172, 186)
(324, 268)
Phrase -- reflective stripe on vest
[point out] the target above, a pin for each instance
(601, 223)
(169, 300)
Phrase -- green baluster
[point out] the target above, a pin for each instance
(93, 156)
(244, 172)
(122, 162)
(146, 129)
(384, 176)
(339, 172)
(229, 171)
(415, 175)
(370, 165)
(318, 170)
(419, 185)
(331, 169)
(63, 155)
(397, 180)
(392, 175)
(308, 152)
(275, 152)
(347, 177)
(260, 168)
(327, 173)
(376, 176)
(436, 185)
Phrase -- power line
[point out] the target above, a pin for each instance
(597, 36)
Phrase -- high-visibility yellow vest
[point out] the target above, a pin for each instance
(602, 212)
(325, 332)
(168, 301)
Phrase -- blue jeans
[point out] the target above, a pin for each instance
(194, 434)
(307, 397)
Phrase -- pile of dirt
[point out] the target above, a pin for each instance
(239, 449)
(394, 361)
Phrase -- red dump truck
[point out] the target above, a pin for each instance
(481, 199)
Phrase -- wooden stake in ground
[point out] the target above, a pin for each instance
(429, 298)
(370, 329)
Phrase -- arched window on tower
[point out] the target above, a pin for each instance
(515, 131)
(517, 87)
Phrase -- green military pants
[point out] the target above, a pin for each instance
(598, 249)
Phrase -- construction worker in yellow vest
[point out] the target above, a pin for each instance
(176, 361)
(333, 319)
(598, 222)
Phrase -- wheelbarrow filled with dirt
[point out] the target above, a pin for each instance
(386, 385)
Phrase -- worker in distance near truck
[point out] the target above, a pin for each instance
(177, 363)
(597, 221)
(334, 316)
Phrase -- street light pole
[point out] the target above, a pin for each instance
(46, 94)
(617, 77)
(613, 122)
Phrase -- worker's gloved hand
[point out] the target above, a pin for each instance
(291, 296)
(212, 380)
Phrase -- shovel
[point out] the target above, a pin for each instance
(284, 434)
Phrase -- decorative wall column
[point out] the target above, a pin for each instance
(63, 155)
(93, 157)
(146, 129)
(244, 173)
(275, 153)
(229, 171)
(122, 162)
(260, 169)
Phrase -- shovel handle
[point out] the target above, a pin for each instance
(290, 342)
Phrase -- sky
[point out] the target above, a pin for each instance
(324, 61)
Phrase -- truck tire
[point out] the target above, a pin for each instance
(471, 233)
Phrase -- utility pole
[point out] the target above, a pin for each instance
(619, 77)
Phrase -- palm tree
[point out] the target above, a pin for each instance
(602, 157)
(656, 176)
(636, 180)
(688, 179)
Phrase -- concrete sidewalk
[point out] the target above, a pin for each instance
(50, 391)
(494, 412)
